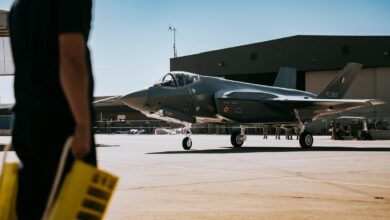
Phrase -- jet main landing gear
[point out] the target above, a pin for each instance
(238, 138)
(305, 138)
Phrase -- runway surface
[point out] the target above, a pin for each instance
(266, 179)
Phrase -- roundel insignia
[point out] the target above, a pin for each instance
(226, 109)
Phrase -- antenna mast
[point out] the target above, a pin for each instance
(173, 29)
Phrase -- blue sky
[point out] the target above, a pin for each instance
(131, 44)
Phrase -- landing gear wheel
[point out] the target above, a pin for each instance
(306, 140)
(366, 136)
(187, 143)
(237, 139)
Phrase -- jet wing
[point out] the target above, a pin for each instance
(287, 103)
(320, 107)
(296, 102)
(329, 104)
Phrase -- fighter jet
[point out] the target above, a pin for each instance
(188, 98)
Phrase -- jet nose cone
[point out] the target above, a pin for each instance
(136, 100)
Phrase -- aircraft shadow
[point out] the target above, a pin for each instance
(230, 150)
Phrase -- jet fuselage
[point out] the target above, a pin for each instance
(199, 99)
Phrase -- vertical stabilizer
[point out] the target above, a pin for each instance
(287, 78)
(340, 85)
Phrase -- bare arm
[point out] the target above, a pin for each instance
(74, 81)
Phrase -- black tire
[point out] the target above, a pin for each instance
(306, 140)
(187, 143)
(236, 139)
(366, 136)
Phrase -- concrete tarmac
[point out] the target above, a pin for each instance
(266, 179)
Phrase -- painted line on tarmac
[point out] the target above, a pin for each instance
(257, 175)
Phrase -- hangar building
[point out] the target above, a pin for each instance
(316, 58)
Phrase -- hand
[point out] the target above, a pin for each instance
(81, 141)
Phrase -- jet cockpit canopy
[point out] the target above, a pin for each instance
(178, 79)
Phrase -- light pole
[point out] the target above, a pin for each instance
(174, 40)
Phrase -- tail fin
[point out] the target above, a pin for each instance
(287, 78)
(339, 86)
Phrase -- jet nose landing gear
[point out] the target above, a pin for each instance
(187, 142)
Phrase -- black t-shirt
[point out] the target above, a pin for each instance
(35, 26)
